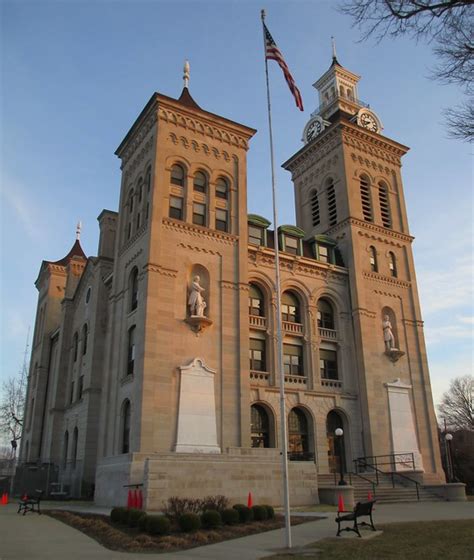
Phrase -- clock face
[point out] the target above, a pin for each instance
(313, 130)
(367, 120)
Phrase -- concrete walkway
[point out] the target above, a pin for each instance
(39, 537)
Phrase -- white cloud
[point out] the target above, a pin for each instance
(436, 334)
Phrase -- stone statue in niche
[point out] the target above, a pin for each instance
(388, 337)
(196, 301)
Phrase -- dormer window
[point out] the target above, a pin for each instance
(257, 230)
(323, 253)
(256, 235)
(291, 245)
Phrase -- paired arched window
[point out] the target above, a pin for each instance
(134, 289)
(260, 426)
(298, 434)
(139, 203)
(75, 437)
(331, 200)
(65, 448)
(147, 192)
(125, 443)
(256, 301)
(392, 265)
(290, 308)
(365, 199)
(177, 175)
(131, 204)
(200, 182)
(373, 259)
(384, 206)
(85, 338)
(325, 314)
(75, 346)
(222, 188)
(131, 350)
(315, 217)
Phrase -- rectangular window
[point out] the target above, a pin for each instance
(288, 313)
(257, 354)
(291, 245)
(293, 359)
(256, 236)
(131, 351)
(328, 364)
(199, 214)
(255, 307)
(176, 208)
(221, 219)
(80, 387)
(323, 253)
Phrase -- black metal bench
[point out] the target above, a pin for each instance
(31, 504)
(362, 509)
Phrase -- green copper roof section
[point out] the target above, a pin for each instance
(291, 230)
(258, 221)
(323, 239)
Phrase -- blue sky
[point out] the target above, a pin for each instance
(75, 75)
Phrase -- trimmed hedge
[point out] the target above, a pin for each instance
(143, 521)
(245, 513)
(133, 517)
(119, 515)
(211, 519)
(259, 513)
(157, 525)
(230, 516)
(189, 522)
(270, 512)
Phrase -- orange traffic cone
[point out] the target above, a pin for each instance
(249, 500)
(3, 500)
(340, 506)
(129, 499)
(6, 498)
(140, 500)
(369, 496)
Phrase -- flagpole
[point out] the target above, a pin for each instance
(283, 434)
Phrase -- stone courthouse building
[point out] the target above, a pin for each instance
(154, 362)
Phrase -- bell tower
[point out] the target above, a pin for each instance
(348, 186)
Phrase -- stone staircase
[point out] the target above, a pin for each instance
(384, 492)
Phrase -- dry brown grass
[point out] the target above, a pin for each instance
(125, 539)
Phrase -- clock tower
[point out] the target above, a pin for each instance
(348, 187)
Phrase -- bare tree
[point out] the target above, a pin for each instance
(457, 404)
(448, 24)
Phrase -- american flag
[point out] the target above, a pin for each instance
(272, 52)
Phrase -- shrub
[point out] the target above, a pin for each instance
(174, 507)
(245, 513)
(230, 516)
(142, 521)
(211, 519)
(270, 512)
(157, 525)
(259, 513)
(189, 522)
(119, 515)
(133, 517)
(218, 503)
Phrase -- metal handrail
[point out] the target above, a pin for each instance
(371, 482)
(392, 474)
(393, 460)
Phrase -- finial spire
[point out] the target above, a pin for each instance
(78, 230)
(186, 70)
(333, 41)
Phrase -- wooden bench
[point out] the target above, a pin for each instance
(362, 509)
(31, 504)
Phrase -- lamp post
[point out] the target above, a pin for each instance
(339, 432)
(449, 460)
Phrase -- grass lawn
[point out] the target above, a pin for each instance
(425, 540)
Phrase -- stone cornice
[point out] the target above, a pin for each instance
(362, 311)
(413, 323)
(202, 232)
(151, 267)
(199, 147)
(386, 279)
(137, 137)
(237, 286)
(370, 230)
(139, 157)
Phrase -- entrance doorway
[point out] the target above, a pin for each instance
(335, 448)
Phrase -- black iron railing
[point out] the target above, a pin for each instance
(392, 461)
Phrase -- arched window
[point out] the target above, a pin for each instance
(384, 206)
(200, 182)
(373, 259)
(256, 301)
(315, 217)
(85, 337)
(349, 93)
(365, 199)
(290, 308)
(298, 440)
(131, 351)
(177, 175)
(222, 188)
(325, 315)
(75, 437)
(75, 346)
(65, 448)
(392, 264)
(341, 91)
(139, 203)
(134, 289)
(125, 446)
(130, 204)
(260, 426)
(147, 192)
(331, 199)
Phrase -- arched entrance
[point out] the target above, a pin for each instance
(335, 448)
(260, 426)
(298, 436)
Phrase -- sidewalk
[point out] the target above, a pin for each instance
(39, 537)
